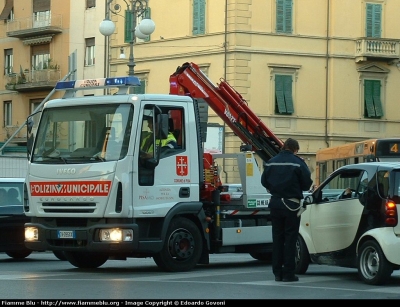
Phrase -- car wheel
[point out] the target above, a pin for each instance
(182, 247)
(86, 260)
(302, 256)
(19, 254)
(373, 267)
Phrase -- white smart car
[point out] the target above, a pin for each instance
(356, 230)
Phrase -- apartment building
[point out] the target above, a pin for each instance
(323, 71)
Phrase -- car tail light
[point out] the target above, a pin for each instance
(391, 217)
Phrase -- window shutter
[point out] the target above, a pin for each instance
(284, 16)
(287, 90)
(368, 26)
(202, 16)
(7, 9)
(376, 95)
(279, 94)
(279, 16)
(41, 49)
(90, 3)
(369, 101)
(373, 20)
(288, 16)
(90, 42)
(41, 5)
(198, 17)
(377, 20)
(140, 89)
(130, 25)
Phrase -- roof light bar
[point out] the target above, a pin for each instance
(97, 83)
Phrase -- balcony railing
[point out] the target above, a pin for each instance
(378, 48)
(28, 27)
(35, 80)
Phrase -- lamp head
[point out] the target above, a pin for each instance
(147, 26)
(106, 27)
(122, 54)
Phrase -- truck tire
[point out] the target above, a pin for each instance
(60, 255)
(373, 267)
(86, 260)
(182, 247)
(19, 254)
(302, 256)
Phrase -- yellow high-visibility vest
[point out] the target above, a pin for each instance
(164, 142)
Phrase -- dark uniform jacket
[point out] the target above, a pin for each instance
(286, 176)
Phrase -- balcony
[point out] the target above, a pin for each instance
(377, 49)
(37, 80)
(29, 27)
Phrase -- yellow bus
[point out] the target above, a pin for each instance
(331, 158)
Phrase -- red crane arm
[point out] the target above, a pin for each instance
(229, 105)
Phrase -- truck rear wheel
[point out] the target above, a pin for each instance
(182, 247)
(86, 260)
(373, 267)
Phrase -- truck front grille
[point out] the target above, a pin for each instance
(69, 207)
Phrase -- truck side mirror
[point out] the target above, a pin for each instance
(162, 120)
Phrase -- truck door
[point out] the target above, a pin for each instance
(163, 161)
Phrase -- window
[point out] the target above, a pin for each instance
(199, 16)
(41, 13)
(130, 25)
(170, 145)
(372, 99)
(284, 16)
(8, 61)
(373, 20)
(89, 53)
(90, 3)
(7, 113)
(40, 57)
(283, 94)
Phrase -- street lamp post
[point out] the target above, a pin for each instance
(137, 9)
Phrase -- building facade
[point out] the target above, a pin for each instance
(323, 71)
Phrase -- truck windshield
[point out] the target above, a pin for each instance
(83, 134)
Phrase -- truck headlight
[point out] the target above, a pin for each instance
(116, 235)
(31, 234)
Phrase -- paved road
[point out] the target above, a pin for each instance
(229, 276)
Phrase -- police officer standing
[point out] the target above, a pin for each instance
(285, 176)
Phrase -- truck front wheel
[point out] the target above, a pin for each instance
(182, 247)
(86, 260)
(19, 254)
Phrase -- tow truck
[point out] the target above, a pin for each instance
(90, 193)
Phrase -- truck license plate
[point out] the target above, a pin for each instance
(66, 234)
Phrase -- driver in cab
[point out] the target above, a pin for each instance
(147, 146)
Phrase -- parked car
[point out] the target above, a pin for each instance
(13, 219)
(360, 230)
